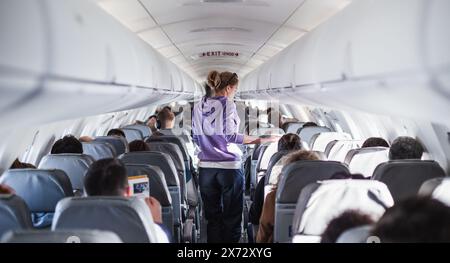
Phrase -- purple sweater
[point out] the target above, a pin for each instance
(215, 125)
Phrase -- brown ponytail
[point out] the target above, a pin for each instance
(219, 81)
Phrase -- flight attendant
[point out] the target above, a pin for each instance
(215, 131)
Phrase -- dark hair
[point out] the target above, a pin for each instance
(165, 115)
(19, 165)
(68, 144)
(405, 148)
(208, 91)
(116, 132)
(138, 146)
(347, 220)
(375, 142)
(346, 175)
(289, 142)
(417, 219)
(219, 81)
(106, 177)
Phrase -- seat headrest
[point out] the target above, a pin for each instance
(40, 189)
(257, 151)
(320, 141)
(293, 127)
(129, 218)
(158, 185)
(99, 150)
(355, 235)
(75, 166)
(159, 159)
(307, 133)
(405, 177)
(267, 153)
(438, 188)
(14, 214)
(297, 175)
(177, 140)
(273, 160)
(337, 150)
(61, 236)
(132, 134)
(171, 149)
(365, 160)
(144, 129)
(119, 143)
(322, 201)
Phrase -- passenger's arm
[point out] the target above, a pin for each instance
(259, 140)
(155, 208)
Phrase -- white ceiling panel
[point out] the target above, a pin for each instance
(156, 38)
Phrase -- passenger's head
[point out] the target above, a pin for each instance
(223, 84)
(116, 132)
(106, 177)
(375, 142)
(405, 148)
(166, 118)
(347, 220)
(289, 142)
(152, 122)
(138, 146)
(6, 190)
(19, 165)
(301, 155)
(68, 144)
(310, 124)
(417, 219)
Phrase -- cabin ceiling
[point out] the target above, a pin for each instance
(185, 30)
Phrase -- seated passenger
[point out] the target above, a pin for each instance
(19, 165)
(310, 124)
(167, 121)
(347, 220)
(151, 123)
(138, 146)
(405, 147)
(68, 144)
(116, 132)
(375, 142)
(414, 220)
(266, 223)
(6, 190)
(108, 177)
(288, 142)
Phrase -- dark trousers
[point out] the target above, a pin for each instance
(222, 192)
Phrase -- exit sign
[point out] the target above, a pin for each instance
(219, 54)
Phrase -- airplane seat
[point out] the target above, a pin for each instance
(320, 141)
(329, 146)
(61, 236)
(14, 214)
(132, 134)
(437, 188)
(144, 129)
(321, 155)
(41, 190)
(322, 201)
(294, 177)
(365, 160)
(268, 180)
(158, 190)
(129, 218)
(264, 160)
(306, 133)
(99, 150)
(337, 150)
(120, 144)
(74, 165)
(292, 127)
(358, 234)
(165, 163)
(405, 177)
(257, 152)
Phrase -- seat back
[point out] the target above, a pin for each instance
(273, 160)
(14, 214)
(320, 141)
(306, 133)
(120, 144)
(132, 134)
(358, 234)
(61, 236)
(40, 189)
(292, 127)
(437, 188)
(99, 150)
(144, 129)
(74, 165)
(322, 201)
(129, 218)
(158, 190)
(264, 159)
(294, 177)
(337, 150)
(365, 160)
(405, 177)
